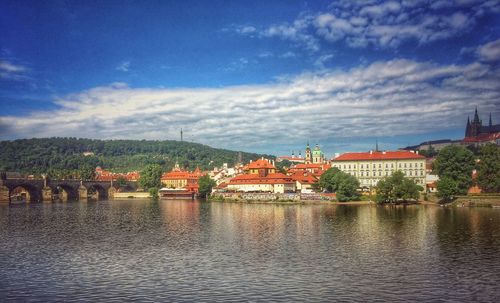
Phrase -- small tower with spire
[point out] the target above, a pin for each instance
(308, 155)
(467, 128)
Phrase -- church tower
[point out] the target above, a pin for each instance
(308, 158)
(467, 128)
(317, 155)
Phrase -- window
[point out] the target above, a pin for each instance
(386, 165)
(410, 165)
(410, 173)
(399, 165)
(405, 165)
(374, 166)
(361, 174)
(349, 166)
(380, 165)
(361, 166)
(380, 173)
(421, 164)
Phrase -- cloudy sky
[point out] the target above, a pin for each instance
(263, 76)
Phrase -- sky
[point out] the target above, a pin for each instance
(258, 76)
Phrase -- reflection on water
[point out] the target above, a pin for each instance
(192, 251)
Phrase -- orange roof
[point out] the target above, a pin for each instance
(303, 177)
(277, 178)
(482, 138)
(389, 155)
(179, 175)
(261, 163)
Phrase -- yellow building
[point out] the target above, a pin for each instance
(371, 167)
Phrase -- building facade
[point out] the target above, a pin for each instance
(371, 167)
(181, 179)
(261, 176)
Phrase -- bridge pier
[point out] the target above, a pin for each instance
(47, 194)
(111, 192)
(82, 192)
(4, 194)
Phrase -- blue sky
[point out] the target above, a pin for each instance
(264, 76)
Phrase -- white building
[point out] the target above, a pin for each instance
(371, 167)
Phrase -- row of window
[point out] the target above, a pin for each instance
(387, 173)
(367, 166)
(375, 181)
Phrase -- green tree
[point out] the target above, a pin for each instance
(151, 177)
(397, 188)
(205, 184)
(488, 169)
(121, 181)
(447, 189)
(86, 172)
(456, 162)
(343, 184)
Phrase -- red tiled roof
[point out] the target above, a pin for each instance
(482, 138)
(276, 178)
(303, 177)
(389, 155)
(261, 163)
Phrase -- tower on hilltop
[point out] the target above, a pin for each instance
(308, 155)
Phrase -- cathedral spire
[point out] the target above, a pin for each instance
(476, 116)
(467, 128)
(376, 145)
(490, 124)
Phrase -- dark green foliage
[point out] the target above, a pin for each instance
(283, 165)
(397, 188)
(343, 184)
(447, 189)
(153, 193)
(456, 163)
(151, 177)
(205, 184)
(86, 172)
(121, 181)
(488, 170)
(64, 157)
(428, 153)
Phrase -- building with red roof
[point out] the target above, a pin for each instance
(370, 167)
(304, 180)
(261, 176)
(104, 175)
(316, 169)
(181, 179)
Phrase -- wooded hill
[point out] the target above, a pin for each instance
(63, 156)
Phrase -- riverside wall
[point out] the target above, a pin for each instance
(271, 197)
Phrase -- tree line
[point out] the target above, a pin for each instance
(64, 157)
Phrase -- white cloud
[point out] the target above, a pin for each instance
(124, 66)
(11, 71)
(490, 51)
(386, 98)
(382, 24)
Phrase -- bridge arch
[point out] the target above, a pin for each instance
(24, 192)
(64, 192)
(96, 192)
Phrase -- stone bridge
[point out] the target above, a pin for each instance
(47, 190)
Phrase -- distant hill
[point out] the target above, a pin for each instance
(38, 156)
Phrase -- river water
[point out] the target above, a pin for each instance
(183, 251)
